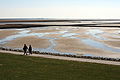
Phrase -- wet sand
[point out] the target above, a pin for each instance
(5, 33)
(64, 42)
(80, 30)
(76, 46)
(44, 31)
(110, 30)
(53, 35)
(84, 36)
(113, 37)
(113, 43)
(30, 40)
(112, 40)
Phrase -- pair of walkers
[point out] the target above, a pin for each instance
(25, 49)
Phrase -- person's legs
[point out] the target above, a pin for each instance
(25, 52)
(30, 52)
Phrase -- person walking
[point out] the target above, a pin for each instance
(25, 49)
(30, 49)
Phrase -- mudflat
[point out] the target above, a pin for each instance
(30, 40)
(68, 39)
(5, 33)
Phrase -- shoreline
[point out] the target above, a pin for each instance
(60, 40)
(66, 58)
(65, 55)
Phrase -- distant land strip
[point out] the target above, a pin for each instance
(7, 26)
(15, 23)
(55, 20)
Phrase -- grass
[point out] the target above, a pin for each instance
(16, 67)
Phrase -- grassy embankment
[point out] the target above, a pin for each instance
(15, 67)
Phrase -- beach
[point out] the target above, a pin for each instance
(88, 41)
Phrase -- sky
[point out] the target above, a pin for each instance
(72, 9)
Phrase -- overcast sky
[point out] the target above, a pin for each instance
(85, 9)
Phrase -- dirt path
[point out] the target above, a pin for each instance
(66, 58)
